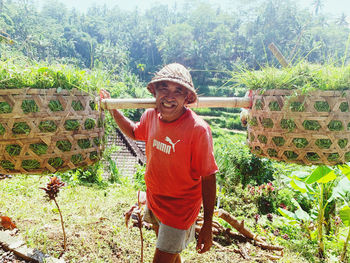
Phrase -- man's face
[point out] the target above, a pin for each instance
(170, 100)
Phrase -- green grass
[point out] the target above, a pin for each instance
(20, 128)
(29, 106)
(89, 124)
(7, 165)
(288, 124)
(95, 225)
(55, 105)
(84, 143)
(31, 74)
(71, 125)
(38, 148)
(303, 76)
(47, 126)
(55, 162)
(64, 145)
(323, 143)
(30, 165)
(2, 129)
(13, 149)
(5, 107)
(77, 106)
(300, 142)
(77, 158)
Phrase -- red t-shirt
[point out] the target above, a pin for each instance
(178, 154)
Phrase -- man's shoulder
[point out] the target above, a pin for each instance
(149, 113)
(198, 120)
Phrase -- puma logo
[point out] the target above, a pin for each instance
(165, 147)
(167, 139)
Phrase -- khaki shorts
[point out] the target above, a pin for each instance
(170, 239)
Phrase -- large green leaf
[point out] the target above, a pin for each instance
(322, 174)
(344, 214)
(298, 185)
(287, 214)
(300, 174)
(345, 169)
(302, 215)
(341, 189)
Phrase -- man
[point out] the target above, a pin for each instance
(180, 169)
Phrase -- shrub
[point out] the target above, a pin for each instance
(238, 165)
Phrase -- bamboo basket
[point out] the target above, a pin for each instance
(312, 128)
(48, 130)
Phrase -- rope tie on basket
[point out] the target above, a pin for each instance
(249, 94)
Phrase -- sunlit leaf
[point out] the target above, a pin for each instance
(287, 214)
(341, 189)
(302, 215)
(345, 169)
(327, 178)
(344, 214)
(300, 174)
(320, 172)
(298, 185)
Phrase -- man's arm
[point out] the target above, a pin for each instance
(205, 237)
(126, 125)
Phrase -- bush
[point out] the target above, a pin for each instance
(238, 165)
(139, 178)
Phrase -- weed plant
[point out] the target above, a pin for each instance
(7, 165)
(71, 125)
(2, 129)
(20, 128)
(300, 142)
(77, 106)
(89, 124)
(30, 164)
(55, 105)
(84, 143)
(47, 126)
(38, 148)
(64, 145)
(13, 149)
(29, 106)
(323, 143)
(5, 107)
(93, 156)
(342, 143)
(55, 162)
(77, 158)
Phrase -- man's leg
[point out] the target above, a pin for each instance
(164, 257)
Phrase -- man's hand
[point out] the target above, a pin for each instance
(104, 94)
(205, 238)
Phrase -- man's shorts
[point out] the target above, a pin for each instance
(170, 239)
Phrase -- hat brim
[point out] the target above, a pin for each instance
(192, 99)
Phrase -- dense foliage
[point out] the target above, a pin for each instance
(118, 49)
(211, 41)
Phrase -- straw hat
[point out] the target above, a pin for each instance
(177, 73)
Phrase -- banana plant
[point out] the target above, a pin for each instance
(323, 185)
(344, 214)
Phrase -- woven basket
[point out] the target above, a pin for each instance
(47, 130)
(309, 129)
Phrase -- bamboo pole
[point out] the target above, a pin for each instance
(277, 53)
(204, 102)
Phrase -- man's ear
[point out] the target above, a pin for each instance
(189, 97)
(152, 89)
